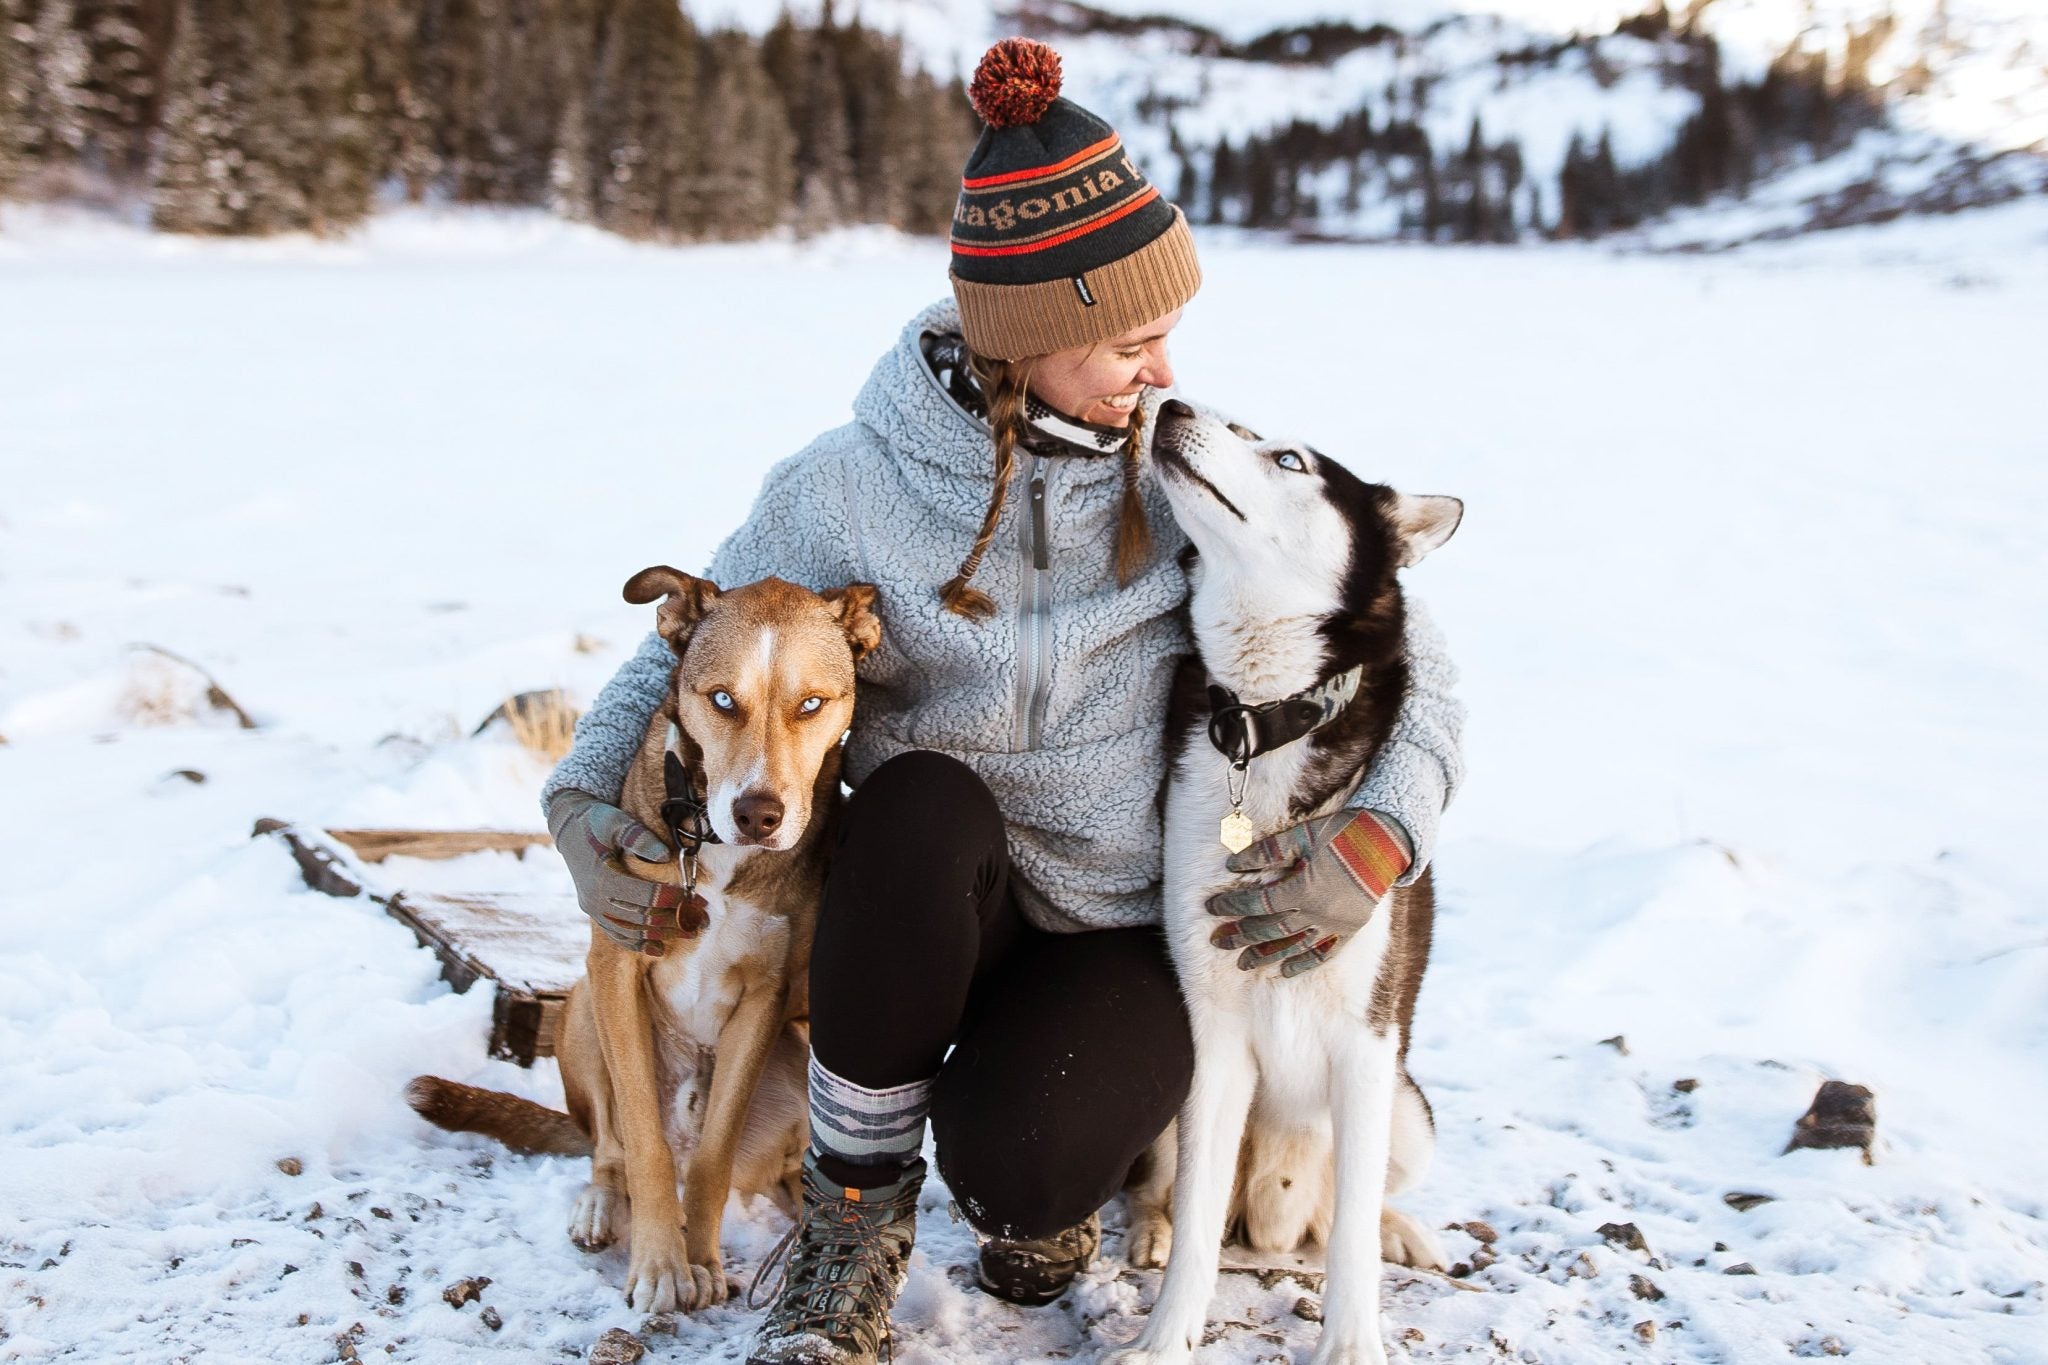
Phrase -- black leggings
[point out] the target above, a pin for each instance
(1069, 1052)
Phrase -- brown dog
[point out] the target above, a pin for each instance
(698, 1057)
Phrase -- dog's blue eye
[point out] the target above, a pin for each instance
(1287, 459)
(723, 700)
(811, 704)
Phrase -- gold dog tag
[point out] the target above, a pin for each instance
(1237, 832)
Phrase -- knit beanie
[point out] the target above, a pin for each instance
(1058, 238)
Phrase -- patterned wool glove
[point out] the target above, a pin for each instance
(639, 916)
(1333, 871)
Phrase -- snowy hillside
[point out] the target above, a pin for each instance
(1747, 604)
(1915, 105)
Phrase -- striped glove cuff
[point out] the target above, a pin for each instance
(1374, 850)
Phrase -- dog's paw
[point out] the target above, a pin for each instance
(1404, 1241)
(1141, 1354)
(1353, 1353)
(598, 1215)
(1150, 1240)
(658, 1278)
(707, 1287)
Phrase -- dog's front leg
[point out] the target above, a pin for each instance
(1211, 1127)
(744, 1045)
(1362, 1070)
(656, 1271)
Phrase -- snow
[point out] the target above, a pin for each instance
(1747, 602)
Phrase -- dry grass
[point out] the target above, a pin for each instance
(544, 722)
(164, 688)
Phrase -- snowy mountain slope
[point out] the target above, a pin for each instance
(1744, 606)
(1957, 82)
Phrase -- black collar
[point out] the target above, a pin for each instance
(686, 814)
(1241, 733)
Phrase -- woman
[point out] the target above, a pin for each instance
(987, 951)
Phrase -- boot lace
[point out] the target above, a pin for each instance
(837, 1275)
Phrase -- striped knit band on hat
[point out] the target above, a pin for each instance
(1058, 238)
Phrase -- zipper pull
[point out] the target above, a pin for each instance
(1041, 557)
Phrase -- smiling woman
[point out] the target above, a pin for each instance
(988, 952)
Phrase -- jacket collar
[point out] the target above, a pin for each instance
(947, 451)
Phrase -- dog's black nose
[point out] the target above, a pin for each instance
(757, 814)
(1173, 407)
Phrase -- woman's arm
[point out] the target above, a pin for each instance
(1418, 770)
(799, 529)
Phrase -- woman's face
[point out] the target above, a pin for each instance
(1100, 382)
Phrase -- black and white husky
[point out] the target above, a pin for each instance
(1302, 1117)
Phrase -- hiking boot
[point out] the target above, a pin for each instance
(1039, 1269)
(846, 1259)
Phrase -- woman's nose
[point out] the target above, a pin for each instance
(1158, 372)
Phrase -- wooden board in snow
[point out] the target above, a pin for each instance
(529, 945)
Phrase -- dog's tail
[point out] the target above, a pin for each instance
(520, 1124)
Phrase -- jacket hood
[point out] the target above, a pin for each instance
(949, 454)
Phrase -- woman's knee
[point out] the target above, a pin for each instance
(919, 811)
(921, 836)
(1079, 1058)
(1009, 1182)
(919, 792)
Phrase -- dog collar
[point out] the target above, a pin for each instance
(1241, 733)
(687, 816)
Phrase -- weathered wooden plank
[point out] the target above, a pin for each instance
(375, 845)
(529, 945)
(533, 942)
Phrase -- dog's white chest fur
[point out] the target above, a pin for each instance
(1283, 1011)
(695, 991)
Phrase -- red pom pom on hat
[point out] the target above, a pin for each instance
(1016, 82)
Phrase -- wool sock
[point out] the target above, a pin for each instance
(862, 1137)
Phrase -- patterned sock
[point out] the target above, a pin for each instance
(853, 1126)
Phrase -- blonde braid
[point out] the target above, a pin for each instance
(1003, 386)
(1133, 531)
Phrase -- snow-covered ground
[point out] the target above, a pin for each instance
(1748, 600)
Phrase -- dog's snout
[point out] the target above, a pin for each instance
(758, 814)
(1174, 408)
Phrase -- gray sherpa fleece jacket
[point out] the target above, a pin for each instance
(1059, 701)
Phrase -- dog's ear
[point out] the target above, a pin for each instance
(685, 600)
(1421, 524)
(854, 605)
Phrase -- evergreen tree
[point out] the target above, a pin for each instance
(451, 56)
(572, 182)
(824, 155)
(58, 108)
(564, 49)
(272, 143)
(337, 145)
(13, 100)
(686, 210)
(870, 70)
(944, 132)
(404, 145)
(749, 170)
(227, 163)
(785, 56)
(641, 118)
(120, 86)
(195, 188)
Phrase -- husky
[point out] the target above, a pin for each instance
(1302, 1117)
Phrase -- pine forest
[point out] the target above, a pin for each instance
(249, 117)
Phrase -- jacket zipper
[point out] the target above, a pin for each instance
(1035, 610)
